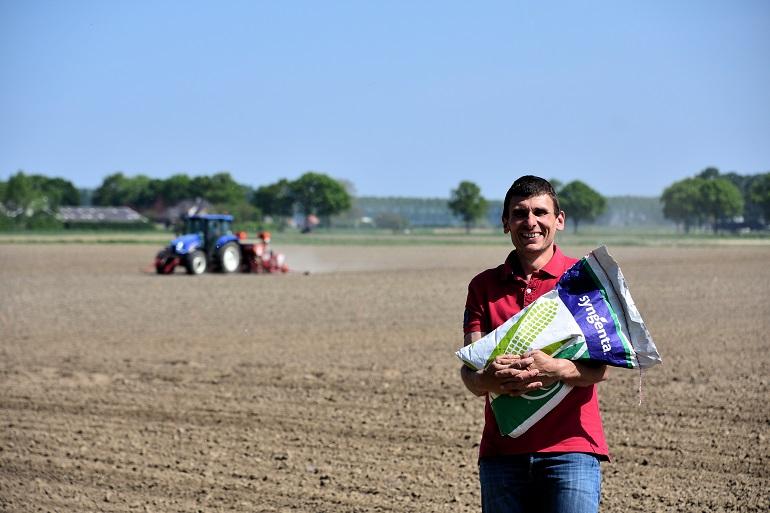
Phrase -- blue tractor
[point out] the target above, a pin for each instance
(208, 243)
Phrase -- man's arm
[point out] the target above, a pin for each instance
(507, 374)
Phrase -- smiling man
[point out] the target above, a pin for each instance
(555, 465)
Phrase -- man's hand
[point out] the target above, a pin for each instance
(573, 373)
(513, 375)
(507, 374)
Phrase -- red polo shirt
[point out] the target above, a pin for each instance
(575, 424)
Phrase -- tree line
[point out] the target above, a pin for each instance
(31, 201)
(715, 200)
(311, 194)
(707, 200)
(728, 202)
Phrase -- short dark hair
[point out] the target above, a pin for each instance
(526, 187)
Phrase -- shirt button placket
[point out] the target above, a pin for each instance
(529, 292)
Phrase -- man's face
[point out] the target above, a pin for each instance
(533, 223)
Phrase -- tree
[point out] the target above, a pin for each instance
(118, 190)
(111, 192)
(219, 189)
(143, 193)
(759, 192)
(31, 201)
(680, 202)
(319, 194)
(556, 184)
(38, 192)
(752, 210)
(708, 197)
(719, 199)
(709, 173)
(580, 202)
(58, 191)
(467, 203)
(274, 199)
(19, 193)
(177, 188)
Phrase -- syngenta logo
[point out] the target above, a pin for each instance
(596, 321)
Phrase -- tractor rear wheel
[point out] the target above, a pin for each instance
(195, 262)
(229, 257)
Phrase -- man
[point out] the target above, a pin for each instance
(553, 466)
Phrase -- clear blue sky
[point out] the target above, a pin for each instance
(401, 98)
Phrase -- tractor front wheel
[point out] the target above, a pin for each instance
(163, 262)
(195, 262)
(229, 257)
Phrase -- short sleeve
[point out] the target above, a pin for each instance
(474, 310)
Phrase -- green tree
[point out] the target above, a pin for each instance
(177, 188)
(110, 191)
(38, 192)
(467, 203)
(226, 195)
(754, 213)
(680, 203)
(760, 194)
(581, 203)
(57, 191)
(319, 194)
(719, 199)
(245, 213)
(709, 197)
(275, 199)
(31, 201)
(219, 189)
(709, 173)
(142, 193)
(19, 193)
(556, 184)
(116, 190)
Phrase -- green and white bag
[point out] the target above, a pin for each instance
(589, 316)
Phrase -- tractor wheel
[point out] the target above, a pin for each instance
(195, 262)
(161, 262)
(229, 257)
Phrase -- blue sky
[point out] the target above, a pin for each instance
(402, 98)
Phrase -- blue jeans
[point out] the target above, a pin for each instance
(542, 483)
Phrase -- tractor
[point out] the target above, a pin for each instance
(209, 243)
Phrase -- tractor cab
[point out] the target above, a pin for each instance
(210, 229)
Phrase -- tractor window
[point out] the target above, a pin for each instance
(194, 225)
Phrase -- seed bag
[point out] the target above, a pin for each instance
(589, 316)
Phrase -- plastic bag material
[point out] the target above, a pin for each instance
(590, 316)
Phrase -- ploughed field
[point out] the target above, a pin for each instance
(338, 391)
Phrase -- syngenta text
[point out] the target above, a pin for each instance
(596, 321)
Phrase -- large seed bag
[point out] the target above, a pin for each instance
(589, 316)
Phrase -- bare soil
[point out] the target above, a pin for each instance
(338, 390)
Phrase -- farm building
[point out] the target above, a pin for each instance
(101, 217)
